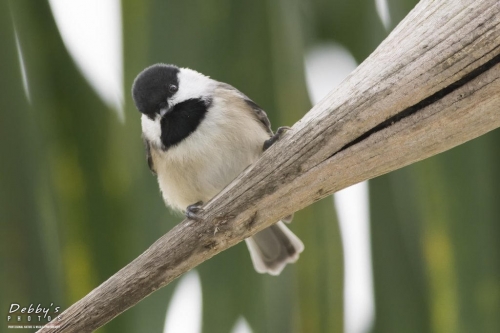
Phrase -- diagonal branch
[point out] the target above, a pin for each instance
(433, 84)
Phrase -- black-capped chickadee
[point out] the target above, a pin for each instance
(199, 135)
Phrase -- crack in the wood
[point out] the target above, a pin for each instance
(424, 103)
(405, 113)
(361, 103)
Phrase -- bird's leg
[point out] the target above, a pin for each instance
(279, 133)
(193, 210)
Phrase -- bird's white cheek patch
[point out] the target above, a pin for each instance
(152, 129)
(192, 85)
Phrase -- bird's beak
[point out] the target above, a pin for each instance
(164, 111)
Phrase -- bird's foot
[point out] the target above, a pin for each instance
(193, 210)
(279, 133)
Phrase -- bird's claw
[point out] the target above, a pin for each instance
(279, 133)
(193, 210)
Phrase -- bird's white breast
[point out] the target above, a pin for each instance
(227, 140)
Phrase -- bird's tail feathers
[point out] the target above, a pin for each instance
(273, 248)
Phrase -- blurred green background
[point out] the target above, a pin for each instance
(77, 201)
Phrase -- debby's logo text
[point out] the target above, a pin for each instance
(32, 314)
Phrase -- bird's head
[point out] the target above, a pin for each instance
(173, 102)
(154, 88)
(158, 88)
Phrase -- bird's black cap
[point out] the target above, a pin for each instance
(150, 90)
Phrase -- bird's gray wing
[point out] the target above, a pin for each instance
(149, 158)
(259, 113)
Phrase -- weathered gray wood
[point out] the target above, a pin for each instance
(431, 85)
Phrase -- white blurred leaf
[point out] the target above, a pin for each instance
(24, 75)
(383, 12)
(185, 308)
(327, 65)
(241, 326)
(352, 207)
(92, 32)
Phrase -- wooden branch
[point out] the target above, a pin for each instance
(431, 85)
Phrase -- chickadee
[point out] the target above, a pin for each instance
(199, 135)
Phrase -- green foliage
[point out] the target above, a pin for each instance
(435, 241)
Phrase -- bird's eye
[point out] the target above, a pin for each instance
(172, 88)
